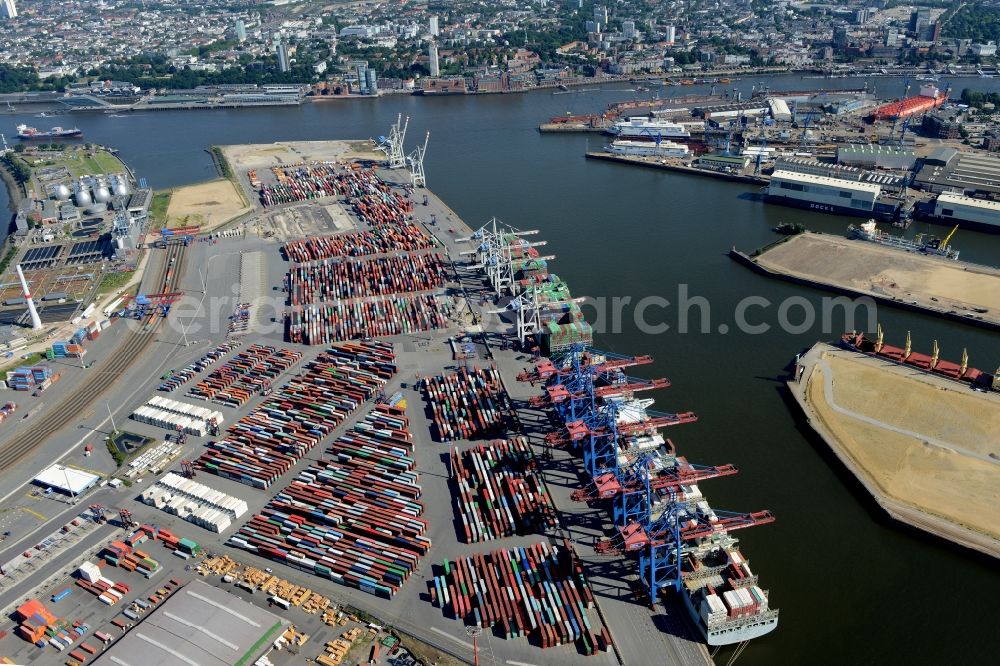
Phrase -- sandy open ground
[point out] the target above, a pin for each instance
(267, 155)
(872, 269)
(208, 204)
(926, 443)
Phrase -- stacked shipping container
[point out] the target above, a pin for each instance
(332, 280)
(353, 519)
(467, 404)
(323, 324)
(186, 374)
(267, 442)
(249, 372)
(498, 493)
(537, 592)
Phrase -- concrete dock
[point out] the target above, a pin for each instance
(679, 167)
(961, 291)
(926, 448)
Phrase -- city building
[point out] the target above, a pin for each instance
(9, 9)
(284, 64)
(432, 60)
(840, 37)
(600, 18)
(241, 31)
(628, 30)
(432, 26)
(920, 20)
(939, 126)
(983, 50)
(670, 34)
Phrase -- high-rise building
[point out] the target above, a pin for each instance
(284, 64)
(628, 29)
(840, 37)
(591, 26)
(919, 20)
(671, 35)
(891, 37)
(241, 31)
(371, 82)
(432, 59)
(432, 26)
(601, 18)
(9, 8)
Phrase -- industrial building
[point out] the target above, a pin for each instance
(951, 170)
(197, 624)
(890, 182)
(66, 480)
(779, 110)
(950, 207)
(876, 156)
(726, 112)
(829, 195)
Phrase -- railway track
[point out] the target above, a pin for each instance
(102, 376)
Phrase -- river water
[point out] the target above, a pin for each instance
(852, 586)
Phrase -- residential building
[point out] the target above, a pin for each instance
(284, 63)
(9, 9)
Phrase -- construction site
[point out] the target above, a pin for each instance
(398, 440)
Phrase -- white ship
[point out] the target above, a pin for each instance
(648, 129)
(648, 149)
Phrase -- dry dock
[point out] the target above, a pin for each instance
(926, 448)
(956, 290)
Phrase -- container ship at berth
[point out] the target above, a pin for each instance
(29, 133)
(648, 149)
(933, 364)
(933, 246)
(647, 129)
(661, 516)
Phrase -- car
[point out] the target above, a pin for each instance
(268, 570)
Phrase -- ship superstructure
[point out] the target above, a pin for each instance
(648, 148)
(649, 129)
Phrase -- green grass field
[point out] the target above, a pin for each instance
(158, 210)
(78, 163)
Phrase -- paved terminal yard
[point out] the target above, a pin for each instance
(959, 290)
(927, 448)
(213, 287)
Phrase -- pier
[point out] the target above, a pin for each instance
(918, 443)
(673, 165)
(960, 291)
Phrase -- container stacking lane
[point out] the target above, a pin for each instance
(265, 443)
(353, 518)
(97, 382)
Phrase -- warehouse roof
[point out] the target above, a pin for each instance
(66, 479)
(199, 625)
(873, 149)
(962, 200)
(824, 180)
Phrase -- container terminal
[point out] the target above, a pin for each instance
(921, 443)
(340, 448)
